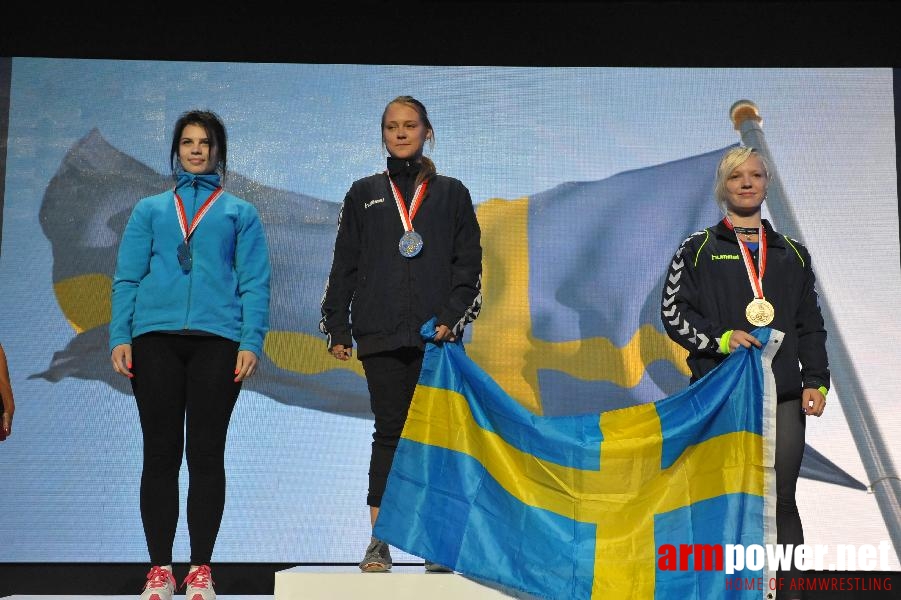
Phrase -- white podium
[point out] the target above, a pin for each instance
(405, 582)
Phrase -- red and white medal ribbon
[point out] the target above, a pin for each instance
(407, 217)
(753, 276)
(183, 218)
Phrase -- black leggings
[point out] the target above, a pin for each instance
(185, 390)
(790, 427)
(391, 377)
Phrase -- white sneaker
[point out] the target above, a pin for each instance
(200, 584)
(160, 585)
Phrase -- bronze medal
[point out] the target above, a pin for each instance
(183, 252)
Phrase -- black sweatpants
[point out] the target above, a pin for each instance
(391, 377)
(791, 424)
(185, 391)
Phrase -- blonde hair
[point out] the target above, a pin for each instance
(732, 159)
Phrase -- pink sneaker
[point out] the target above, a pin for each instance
(160, 585)
(200, 584)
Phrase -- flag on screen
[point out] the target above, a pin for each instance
(573, 275)
(572, 280)
(83, 214)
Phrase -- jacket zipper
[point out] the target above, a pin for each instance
(191, 272)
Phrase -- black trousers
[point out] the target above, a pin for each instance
(185, 391)
(791, 425)
(391, 378)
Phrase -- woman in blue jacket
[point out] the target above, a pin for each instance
(190, 309)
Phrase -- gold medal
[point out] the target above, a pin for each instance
(759, 312)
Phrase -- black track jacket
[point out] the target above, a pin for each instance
(707, 290)
(380, 298)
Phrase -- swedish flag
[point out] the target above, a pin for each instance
(572, 281)
(572, 330)
(579, 506)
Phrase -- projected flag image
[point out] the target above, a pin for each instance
(581, 198)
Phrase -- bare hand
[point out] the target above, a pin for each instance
(121, 357)
(245, 366)
(341, 352)
(443, 333)
(813, 402)
(742, 338)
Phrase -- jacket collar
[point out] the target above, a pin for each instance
(773, 238)
(209, 181)
(400, 166)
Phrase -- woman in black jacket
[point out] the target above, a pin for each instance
(741, 274)
(407, 249)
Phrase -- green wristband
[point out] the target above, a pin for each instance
(823, 390)
(724, 342)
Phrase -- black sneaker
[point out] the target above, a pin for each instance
(377, 558)
(433, 567)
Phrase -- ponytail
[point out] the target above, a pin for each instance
(427, 170)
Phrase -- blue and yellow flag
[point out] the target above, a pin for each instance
(576, 337)
(580, 506)
(572, 330)
(572, 282)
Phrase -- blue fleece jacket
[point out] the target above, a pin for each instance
(226, 291)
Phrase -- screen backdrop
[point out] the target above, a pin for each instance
(585, 180)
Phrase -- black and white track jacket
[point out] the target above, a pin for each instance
(707, 290)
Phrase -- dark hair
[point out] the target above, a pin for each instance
(428, 167)
(215, 130)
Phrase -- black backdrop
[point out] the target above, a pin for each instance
(686, 34)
